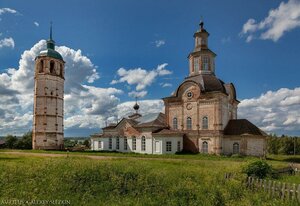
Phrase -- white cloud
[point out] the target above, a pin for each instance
(279, 21)
(159, 43)
(274, 111)
(7, 10)
(36, 24)
(166, 84)
(140, 77)
(140, 94)
(7, 42)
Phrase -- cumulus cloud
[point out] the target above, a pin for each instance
(82, 101)
(140, 94)
(36, 24)
(141, 77)
(159, 43)
(274, 111)
(7, 42)
(279, 21)
(7, 10)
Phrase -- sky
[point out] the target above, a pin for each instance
(116, 50)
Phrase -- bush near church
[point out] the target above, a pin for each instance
(260, 169)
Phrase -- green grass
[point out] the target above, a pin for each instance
(187, 180)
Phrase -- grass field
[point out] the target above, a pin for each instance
(131, 179)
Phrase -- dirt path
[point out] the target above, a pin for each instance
(58, 155)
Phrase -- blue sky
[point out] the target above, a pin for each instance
(144, 34)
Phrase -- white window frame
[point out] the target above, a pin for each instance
(205, 63)
(196, 64)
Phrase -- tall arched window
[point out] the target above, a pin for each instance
(205, 63)
(133, 143)
(41, 66)
(236, 148)
(61, 70)
(204, 147)
(52, 64)
(205, 123)
(189, 123)
(143, 143)
(175, 123)
(196, 64)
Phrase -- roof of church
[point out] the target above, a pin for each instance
(206, 82)
(242, 127)
(147, 120)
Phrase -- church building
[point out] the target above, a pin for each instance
(200, 116)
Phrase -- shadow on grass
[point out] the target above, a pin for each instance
(9, 158)
(285, 159)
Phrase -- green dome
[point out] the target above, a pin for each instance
(51, 53)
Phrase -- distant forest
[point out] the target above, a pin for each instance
(287, 145)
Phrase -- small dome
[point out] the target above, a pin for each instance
(51, 53)
(136, 107)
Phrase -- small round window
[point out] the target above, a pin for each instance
(189, 94)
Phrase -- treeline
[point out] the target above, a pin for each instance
(12, 142)
(283, 145)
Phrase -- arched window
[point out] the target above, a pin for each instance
(117, 143)
(175, 123)
(52, 64)
(196, 64)
(41, 66)
(205, 123)
(133, 143)
(204, 147)
(189, 123)
(236, 148)
(205, 63)
(143, 143)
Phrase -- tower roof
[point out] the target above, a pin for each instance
(50, 51)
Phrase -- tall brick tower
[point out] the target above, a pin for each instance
(48, 114)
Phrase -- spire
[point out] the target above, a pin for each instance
(201, 23)
(50, 41)
(51, 30)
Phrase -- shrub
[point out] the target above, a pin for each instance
(260, 169)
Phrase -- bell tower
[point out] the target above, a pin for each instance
(48, 112)
(201, 59)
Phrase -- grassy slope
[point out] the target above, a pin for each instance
(190, 180)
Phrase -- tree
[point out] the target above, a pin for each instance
(25, 142)
(10, 141)
(86, 143)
